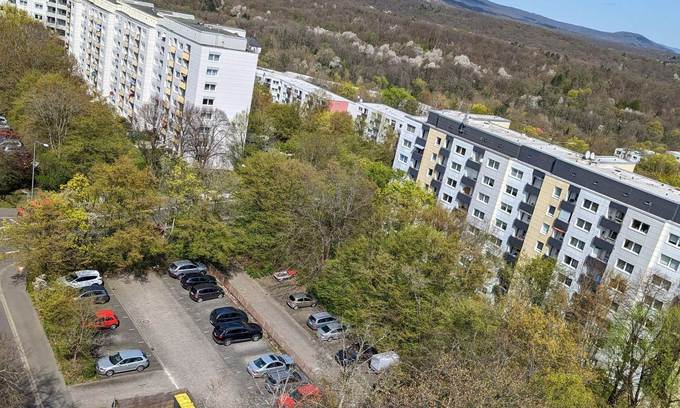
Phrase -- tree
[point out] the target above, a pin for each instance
(152, 121)
(205, 133)
(480, 108)
(399, 98)
(662, 167)
(15, 171)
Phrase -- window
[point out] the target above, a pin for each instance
(577, 243)
(461, 150)
(590, 205)
(505, 207)
(211, 72)
(632, 246)
(669, 262)
(674, 240)
(518, 174)
(410, 128)
(208, 101)
(639, 226)
(557, 192)
(539, 246)
(624, 266)
(496, 242)
(562, 278)
(584, 225)
(544, 229)
(483, 198)
(209, 87)
(403, 158)
(501, 224)
(429, 172)
(447, 198)
(451, 182)
(488, 181)
(493, 164)
(433, 157)
(213, 57)
(456, 167)
(570, 262)
(655, 303)
(511, 191)
(551, 211)
(406, 143)
(661, 282)
(478, 214)
(438, 141)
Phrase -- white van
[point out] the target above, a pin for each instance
(383, 361)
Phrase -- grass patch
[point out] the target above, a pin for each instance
(12, 200)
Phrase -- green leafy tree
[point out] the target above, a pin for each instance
(399, 98)
(662, 167)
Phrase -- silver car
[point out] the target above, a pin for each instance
(178, 269)
(300, 299)
(269, 363)
(122, 361)
(281, 381)
(331, 331)
(317, 320)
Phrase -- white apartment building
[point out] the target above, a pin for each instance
(593, 215)
(55, 14)
(130, 53)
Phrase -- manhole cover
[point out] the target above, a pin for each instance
(145, 321)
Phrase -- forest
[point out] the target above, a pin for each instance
(569, 90)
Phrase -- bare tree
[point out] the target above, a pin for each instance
(13, 377)
(152, 121)
(203, 135)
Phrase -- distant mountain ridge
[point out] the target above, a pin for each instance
(622, 37)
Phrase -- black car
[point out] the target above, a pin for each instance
(227, 314)
(95, 292)
(355, 354)
(190, 280)
(205, 291)
(236, 332)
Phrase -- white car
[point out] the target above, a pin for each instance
(82, 279)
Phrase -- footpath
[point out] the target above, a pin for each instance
(281, 327)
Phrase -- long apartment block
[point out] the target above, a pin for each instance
(130, 53)
(592, 214)
(373, 119)
(54, 14)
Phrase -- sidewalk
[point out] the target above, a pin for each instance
(283, 330)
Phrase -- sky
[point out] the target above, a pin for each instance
(658, 20)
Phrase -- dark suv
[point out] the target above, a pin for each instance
(355, 354)
(236, 332)
(95, 292)
(205, 291)
(227, 314)
(190, 280)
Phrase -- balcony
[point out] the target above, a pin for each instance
(184, 71)
(596, 264)
(168, 78)
(555, 243)
(473, 164)
(420, 142)
(168, 91)
(183, 85)
(179, 99)
(515, 242)
(185, 56)
(439, 168)
(413, 173)
(520, 225)
(171, 63)
(567, 206)
(173, 49)
(467, 181)
(436, 185)
(561, 225)
(599, 242)
(463, 199)
(610, 224)
(526, 207)
(530, 189)
(510, 258)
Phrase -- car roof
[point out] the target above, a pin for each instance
(131, 353)
(308, 389)
(226, 309)
(232, 325)
(205, 285)
(333, 325)
(183, 262)
(320, 315)
(94, 286)
(87, 272)
(300, 294)
(104, 312)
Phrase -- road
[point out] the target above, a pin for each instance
(19, 321)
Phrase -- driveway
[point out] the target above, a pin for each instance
(179, 334)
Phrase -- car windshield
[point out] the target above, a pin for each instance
(271, 380)
(296, 395)
(291, 297)
(325, 329)
(72, 276)
(259, 363)
(173, 265)
(115, 359)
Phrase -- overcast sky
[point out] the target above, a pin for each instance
(658, 20)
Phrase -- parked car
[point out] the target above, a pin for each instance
(382, 361)
(300, 299)
(299, 397)
(95, 292)
(4, 124)
(122, 361)
(285, 274)
(280, 381)
(227, 314)
(357, 353)
(205, 291)
(81, 279)
(189, 280)
(331, 331)
(236, 332)
(178, 269)
(10, 145)
(106, 319)
(316, 320)
(269, 363)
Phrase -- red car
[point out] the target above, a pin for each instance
(300, 395)
(106, 319)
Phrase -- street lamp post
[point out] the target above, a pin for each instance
(34, 165)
